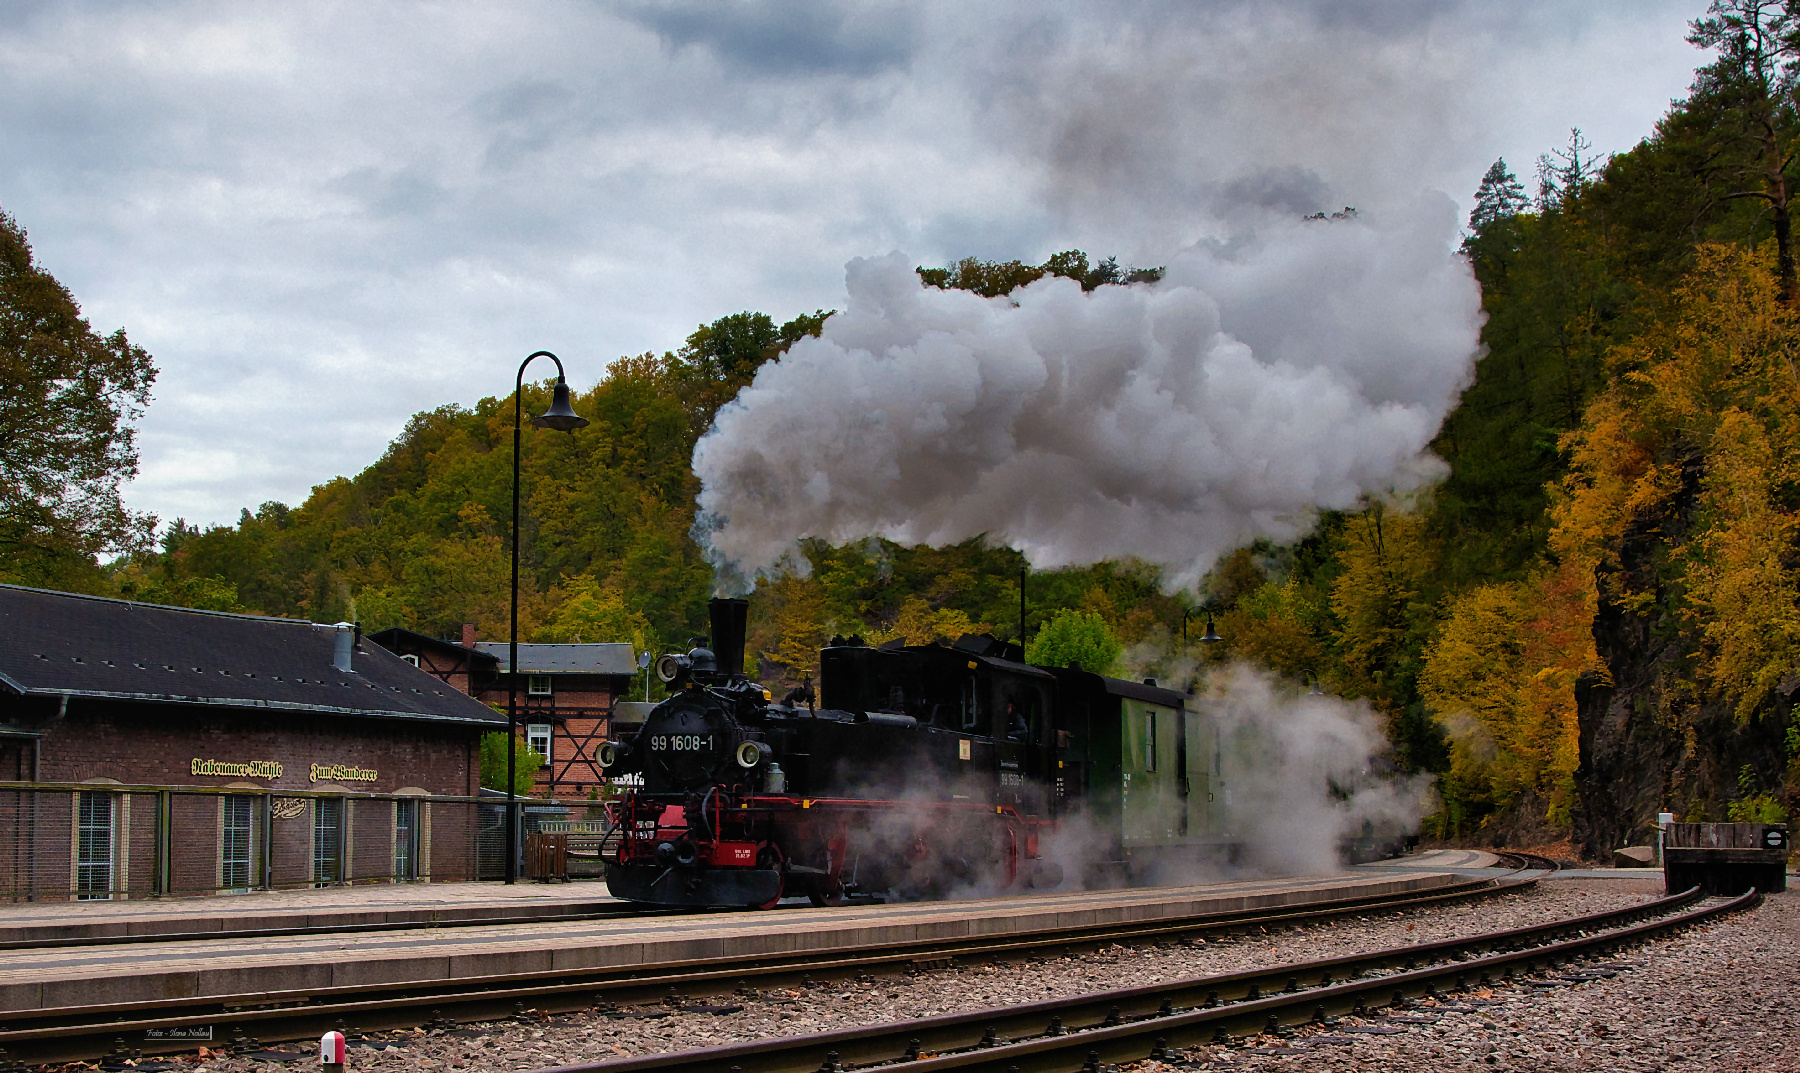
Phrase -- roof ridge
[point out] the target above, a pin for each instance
(162, 607)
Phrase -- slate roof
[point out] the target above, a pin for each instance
(62, 644)
(565, 659)
(395, 638)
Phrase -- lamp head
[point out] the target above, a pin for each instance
(560, 416)
(1211, 634)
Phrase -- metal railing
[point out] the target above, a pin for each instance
(107, 841)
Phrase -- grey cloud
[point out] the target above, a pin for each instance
(787, 37)
(322, 218)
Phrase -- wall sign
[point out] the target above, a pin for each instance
(254, 769)
(340, 773)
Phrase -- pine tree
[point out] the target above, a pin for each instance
(1755, 79)
(1500, 196)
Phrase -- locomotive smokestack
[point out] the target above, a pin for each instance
(729, 618)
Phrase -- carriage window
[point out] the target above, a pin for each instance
(1150, 741)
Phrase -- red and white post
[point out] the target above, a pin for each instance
(331, 1052)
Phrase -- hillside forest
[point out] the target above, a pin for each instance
(1594, 617)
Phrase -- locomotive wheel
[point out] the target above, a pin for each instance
(826, 893)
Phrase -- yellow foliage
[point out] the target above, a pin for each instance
(1702, 423)
(1501, 677)
(1388, 560)
(589, 611)
(918, 624)
(1741, 594)
(1276, 627)
(788, 626)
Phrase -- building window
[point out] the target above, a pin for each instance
(234, 842)
(410, 658)
(94, 847)
(537, 685)
(406, 840)
(537, 735)
(328, 841)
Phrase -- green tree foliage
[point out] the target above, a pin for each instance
(1749, 86)
(419, 539)
(526, 762)
(991, 279)
(1075, 639)
(68, 397)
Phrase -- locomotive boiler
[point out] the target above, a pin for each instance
(915, 772)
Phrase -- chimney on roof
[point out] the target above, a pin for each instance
(346, 644)
(468, 635)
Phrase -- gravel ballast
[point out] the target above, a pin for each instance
(1717, 998)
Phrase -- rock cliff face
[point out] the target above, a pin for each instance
(1653, 739)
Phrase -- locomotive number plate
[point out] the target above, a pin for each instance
(681, 743)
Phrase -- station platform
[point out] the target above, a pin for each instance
(160, 970)
(336, 907)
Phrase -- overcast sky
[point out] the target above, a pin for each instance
(321, 218)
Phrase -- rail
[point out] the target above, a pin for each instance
(86, 1032)
(1149, 1022)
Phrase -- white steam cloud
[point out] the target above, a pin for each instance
(1303, 775)
(1293, 784)
(1302, 364)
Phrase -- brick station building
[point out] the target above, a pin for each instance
(566, 694)
(153, 750)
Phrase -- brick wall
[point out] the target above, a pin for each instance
(100, 742)
(155, 744)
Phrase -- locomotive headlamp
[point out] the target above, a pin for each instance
(751, 753)
(672, 668)
(610, 753)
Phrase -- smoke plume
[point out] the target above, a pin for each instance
(1301, 365)
(1303, 776)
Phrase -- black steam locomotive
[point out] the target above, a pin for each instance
(917, 771)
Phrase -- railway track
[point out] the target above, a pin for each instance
(1089, 1031)
(87, 1032)
(1519, 862)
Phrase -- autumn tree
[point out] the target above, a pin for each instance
(918, 623)
(68, 397)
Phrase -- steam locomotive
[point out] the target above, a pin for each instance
(915, 772)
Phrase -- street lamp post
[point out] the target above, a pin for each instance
(562, 417)
(1211, 634)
